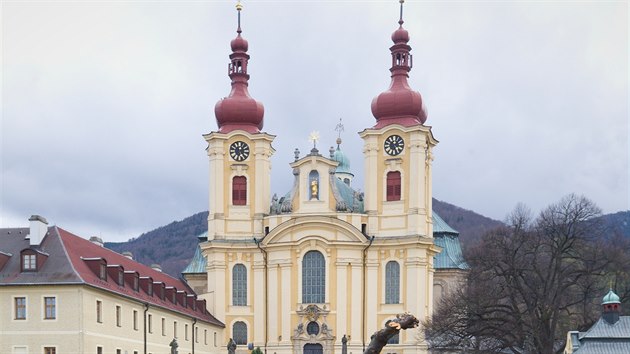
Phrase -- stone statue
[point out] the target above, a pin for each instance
(380, 338)
(344, 344)
(174, 346)
(231, 347)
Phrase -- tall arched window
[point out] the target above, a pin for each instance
(313, 185)
(239, 190)
(239, 333)
(313, 278)
(239, 285)
(393, 185)
(392, 282)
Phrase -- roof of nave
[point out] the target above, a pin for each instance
(67, 258)
(602, 330)
(447, 238)
(197, 263)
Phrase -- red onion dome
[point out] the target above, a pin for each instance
(399, 104)
(400, 35)
(239, 110)
(239, 44)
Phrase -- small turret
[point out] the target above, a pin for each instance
(611, 307)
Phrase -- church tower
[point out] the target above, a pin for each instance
(397, 153)
(397, 160)
(239, 155)
(239, 186)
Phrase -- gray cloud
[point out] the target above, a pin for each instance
(104, 103)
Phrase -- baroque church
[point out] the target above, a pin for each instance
(322, 267)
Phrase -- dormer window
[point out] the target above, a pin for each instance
(103, 272)
(121, 278)
(150, 289)
(29, 262)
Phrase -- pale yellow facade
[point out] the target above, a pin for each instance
(78, 328)
(356, 246)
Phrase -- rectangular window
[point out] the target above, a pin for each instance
(20, 308)
(135, 283)
(163, 326)
(121, 278)
(50, 308)
(239, 190)
(205, 336)
(118, 316)
(175, 329)
(99, 311)
(186, 331)
(118, 351)
(196, 334)
(135, 320)
(29, 262)
(150, 323)
(50, 350)
(99, 350)
(103, 272)
(393, 186)
(215, 339)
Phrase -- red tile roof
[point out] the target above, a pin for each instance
(79, 249)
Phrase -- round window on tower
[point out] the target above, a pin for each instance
(312, 328)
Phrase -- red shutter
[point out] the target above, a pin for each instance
(393, 186)
(239, 190)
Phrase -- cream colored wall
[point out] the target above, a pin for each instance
(233, 221)
(35, 332)
(446, 281)
(76, 330)
(412, 214)
(342, 246)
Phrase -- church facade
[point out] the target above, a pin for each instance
(323, 267)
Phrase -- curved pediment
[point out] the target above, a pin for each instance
(327, 229)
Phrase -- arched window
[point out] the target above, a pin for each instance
(313, 278)
(239, 285)
(313, 185)
(239, 333)
(239, 190)
(392, 282)
(393, 185)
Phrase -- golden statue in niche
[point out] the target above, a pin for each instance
(314, 189)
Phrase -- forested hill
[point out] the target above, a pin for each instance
(471, 226)
(173, 245)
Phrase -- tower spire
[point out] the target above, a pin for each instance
(399, 104)
(239, 110)
(239, 7)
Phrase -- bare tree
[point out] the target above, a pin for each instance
(527, 284)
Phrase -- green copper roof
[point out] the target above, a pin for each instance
(197, 263)
(447, 238)
(344, 162)
(611, 298)
(440, 226)
(352, 199)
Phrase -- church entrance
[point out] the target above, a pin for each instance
(311, 348)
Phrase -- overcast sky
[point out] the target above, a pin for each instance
(104, 103)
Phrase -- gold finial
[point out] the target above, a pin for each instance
(314, 137)
(239, 6)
